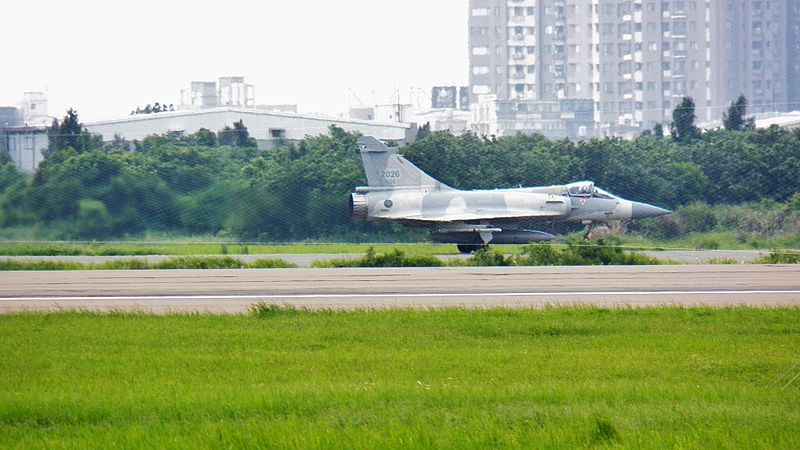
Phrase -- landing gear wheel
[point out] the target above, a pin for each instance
(587, 236)
(470, 248)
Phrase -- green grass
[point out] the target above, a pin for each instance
(449, 378)
(392, 258)
(715, 240)
(574, 253)
(180, 262)
(188, 248)
(777, 257)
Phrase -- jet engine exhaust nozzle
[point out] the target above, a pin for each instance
(358, 205)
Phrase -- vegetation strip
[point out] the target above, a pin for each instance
(185, 262)
(204, 248)
(288, 378)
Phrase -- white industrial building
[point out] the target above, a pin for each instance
(265, 126)
(26, 146)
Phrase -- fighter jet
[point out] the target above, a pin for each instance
(398, 191)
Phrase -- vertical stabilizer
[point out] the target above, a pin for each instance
(387, 170)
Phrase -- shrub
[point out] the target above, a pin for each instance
(484, 257)
(393, 258)
(697, 217)
(777, 257)
(271, 263)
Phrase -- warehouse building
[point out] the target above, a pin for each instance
(265, 126)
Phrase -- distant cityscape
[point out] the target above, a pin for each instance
(563, 68)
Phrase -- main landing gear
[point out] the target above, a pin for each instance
(470, 248)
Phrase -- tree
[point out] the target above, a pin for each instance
(424, 131)
(226, 137)
(242, 136)
(682, 127)
(70, 133)
(205, 137)
(237, 136)
(658, 130)
(734, 120)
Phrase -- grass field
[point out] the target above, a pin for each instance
(177, 262)
(188, 248)
(716, 240)
(450, 378)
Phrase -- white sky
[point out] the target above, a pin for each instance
(105, 57)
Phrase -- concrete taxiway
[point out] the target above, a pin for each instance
(237, 290)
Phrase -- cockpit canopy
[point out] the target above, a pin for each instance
(581, 189)
(587, 189)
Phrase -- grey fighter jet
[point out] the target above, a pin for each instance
(398, 191)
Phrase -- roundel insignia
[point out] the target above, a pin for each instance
(388, 203)
(583, 200)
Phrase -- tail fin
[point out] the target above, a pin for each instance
(386, 169)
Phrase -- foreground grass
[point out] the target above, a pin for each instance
(552, 378)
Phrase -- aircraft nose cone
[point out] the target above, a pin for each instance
(642, 210)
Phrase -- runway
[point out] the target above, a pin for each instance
(234, 291)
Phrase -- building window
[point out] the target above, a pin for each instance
(277, 133)
(480, 70)
(479, 12)
(480, 89)
(480, 51)
(479, 31)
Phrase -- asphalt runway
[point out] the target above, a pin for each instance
(234, 291)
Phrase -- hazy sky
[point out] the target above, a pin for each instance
(105, 57)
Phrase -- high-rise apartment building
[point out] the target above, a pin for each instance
(634, 59)
(751, 53)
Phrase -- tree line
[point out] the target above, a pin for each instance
(221, 184)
